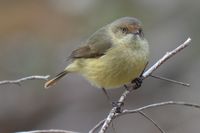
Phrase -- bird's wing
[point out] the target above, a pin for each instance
(96, 46)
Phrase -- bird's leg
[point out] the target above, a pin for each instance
(114, 104)
(106, 93)
(138, 81)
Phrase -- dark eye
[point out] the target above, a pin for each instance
(124, 30)
(140, 31)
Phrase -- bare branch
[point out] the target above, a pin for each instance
(18, 81)
(138, 110)
(170, 80)
(147, 73)
(151, 120)
(161, 104)
(166, 57)
(48, 131)
(97, 126)
(113, 128)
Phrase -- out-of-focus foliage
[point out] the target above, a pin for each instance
(37, 36)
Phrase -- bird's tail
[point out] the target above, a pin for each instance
(53, 81)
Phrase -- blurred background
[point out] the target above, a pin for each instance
(36, 37)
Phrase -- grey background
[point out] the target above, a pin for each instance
(37, 36)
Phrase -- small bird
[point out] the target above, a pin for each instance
(114, 55)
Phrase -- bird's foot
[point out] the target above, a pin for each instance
(138, 82)
(126, 88)
(118, 106)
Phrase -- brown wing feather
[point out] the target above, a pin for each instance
(85, 52)
(96, 46)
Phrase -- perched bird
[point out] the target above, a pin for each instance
(114, 55)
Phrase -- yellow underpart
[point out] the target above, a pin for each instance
(120, 65)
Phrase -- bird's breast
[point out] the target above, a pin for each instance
(118, 66)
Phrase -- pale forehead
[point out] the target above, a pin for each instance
(127, 21)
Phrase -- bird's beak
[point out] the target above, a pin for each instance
(139, 32)
(136, 32)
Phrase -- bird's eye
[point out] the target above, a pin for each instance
(140, 31)
(124, 30)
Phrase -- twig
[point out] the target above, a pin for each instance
(161, 104)
(170, 80)
(151, 120)
(97, 126)
(113, 128)
(138, 110)
(18, 81)
(121, 100)
(48, 131)
(166, 57)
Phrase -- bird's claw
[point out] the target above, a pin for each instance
(118, 106)
(138, 82)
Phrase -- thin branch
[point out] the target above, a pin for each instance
(97, 126)
(161, 104)
(166, 57)
(48, 131)
(170, 80)
(138, 110)
(147, 73)
(152, 121)
(18, 81)
(113, 128)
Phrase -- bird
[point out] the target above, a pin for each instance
(111, 57)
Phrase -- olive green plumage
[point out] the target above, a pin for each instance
(114, 55)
